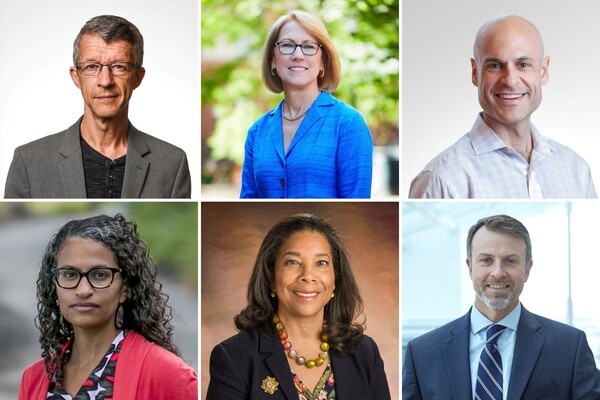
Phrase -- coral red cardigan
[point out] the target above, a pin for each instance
(144, 371)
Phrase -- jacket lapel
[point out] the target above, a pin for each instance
(527, 350)
(71, 168)
(276, 131)
(278, 366)
(312, 116)
(456, 359)
(136, 166)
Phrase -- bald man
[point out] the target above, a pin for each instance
(504, 155)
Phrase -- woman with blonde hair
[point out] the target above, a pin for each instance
(312, 145)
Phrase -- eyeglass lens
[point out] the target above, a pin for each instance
(99, 278)
(93, 69)
(308, 48)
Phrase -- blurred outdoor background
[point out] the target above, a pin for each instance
(366, 36)
(169, 229)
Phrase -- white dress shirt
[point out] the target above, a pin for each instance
(481, 165)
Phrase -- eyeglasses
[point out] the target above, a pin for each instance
(94, 68)
(287, 47)
(98, 278)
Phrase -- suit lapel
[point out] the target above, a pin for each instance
(456, 359)
(311, 117)
(528, 347)
(346, 379)
(278, 366)
(70, 169)
(136, 166)
(276, 132)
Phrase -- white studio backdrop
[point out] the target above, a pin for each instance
(39, 98)
(439, 102)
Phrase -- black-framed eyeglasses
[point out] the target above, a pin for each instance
(98, 278)
(287, 47)
(94, 68)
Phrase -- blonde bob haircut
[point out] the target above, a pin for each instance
(313, 25)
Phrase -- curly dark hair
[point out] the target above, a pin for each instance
(145, 310)
(341, 313)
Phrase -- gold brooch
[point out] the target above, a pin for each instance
(269, 385)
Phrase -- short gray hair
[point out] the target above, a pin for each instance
(111, 28)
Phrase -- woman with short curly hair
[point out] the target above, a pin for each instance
(104, 321)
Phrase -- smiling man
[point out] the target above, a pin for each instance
(499, 350)
(102, 155)
(504, 155)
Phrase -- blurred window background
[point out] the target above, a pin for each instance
(436, 287)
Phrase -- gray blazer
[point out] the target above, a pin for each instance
(52, 167)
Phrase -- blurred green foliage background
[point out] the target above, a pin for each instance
(365, 33)
(170, 229)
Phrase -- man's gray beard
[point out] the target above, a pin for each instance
(496, 303)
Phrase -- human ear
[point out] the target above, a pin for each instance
(75, 76)
(474, 73)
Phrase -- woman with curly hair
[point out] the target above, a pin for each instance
(303, 303)
(104, 322)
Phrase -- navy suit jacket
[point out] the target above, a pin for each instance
(52, 167)
(239, 365)
(551, 361)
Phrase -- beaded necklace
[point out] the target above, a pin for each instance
(293, 354)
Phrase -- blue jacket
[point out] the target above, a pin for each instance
(331, 155)
(551, 361)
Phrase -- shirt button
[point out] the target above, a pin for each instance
(282, 181)
(112, 166)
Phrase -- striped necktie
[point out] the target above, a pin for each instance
(489, 373)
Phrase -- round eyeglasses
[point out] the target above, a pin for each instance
(94, 68)
(98, 278)
(287, 47)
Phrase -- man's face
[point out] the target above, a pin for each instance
(498, 269)
(509, 70)
(106, 96)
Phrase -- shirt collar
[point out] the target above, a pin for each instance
(480, 321)
(484, 139)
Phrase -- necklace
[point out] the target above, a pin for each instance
(291, 119)
(293, 354)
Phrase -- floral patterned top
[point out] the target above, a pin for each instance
(325, 389)
(99, 384)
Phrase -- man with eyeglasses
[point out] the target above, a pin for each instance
(102, 155)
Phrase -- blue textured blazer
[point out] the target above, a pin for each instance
(331, 155)
(239, 365)
(551, 361)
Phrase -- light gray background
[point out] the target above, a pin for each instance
(439, 102)
(39, 98)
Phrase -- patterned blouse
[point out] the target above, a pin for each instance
(325, 389)
(99, 385)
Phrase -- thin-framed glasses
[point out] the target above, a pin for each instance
(94, 68)
(98, 278)
(287, 47)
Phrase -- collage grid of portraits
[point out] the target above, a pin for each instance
(407, 255)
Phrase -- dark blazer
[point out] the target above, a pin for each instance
(551, 361)
(52, 167)
(239, 365)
